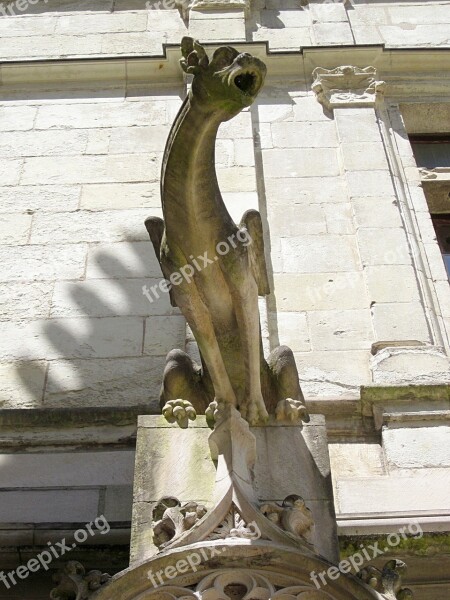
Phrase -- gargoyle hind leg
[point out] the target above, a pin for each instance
(182, 393)
(290, 401)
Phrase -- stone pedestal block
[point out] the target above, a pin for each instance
(177, 463)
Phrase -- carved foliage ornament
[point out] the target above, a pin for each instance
(171, 519)
(347, 86)
(75, 584)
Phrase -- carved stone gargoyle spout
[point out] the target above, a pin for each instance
(216, 268)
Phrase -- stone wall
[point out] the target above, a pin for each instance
(360, 292)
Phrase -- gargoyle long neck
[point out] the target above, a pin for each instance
(189, 189)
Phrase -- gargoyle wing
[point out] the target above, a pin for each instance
(253, 224)
(155, 228)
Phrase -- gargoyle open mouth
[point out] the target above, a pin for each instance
(248, 82)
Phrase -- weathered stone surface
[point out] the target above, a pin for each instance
(122, 260)
(22, 384)
(332, 34)
(82, 116)
(70, 506)
(392, 283)
(90, 169)
(293, 331)
(108, 298)
(10, 171)
(333, 374)
(25, 300)
(111, 196)
(14, 228)
(304, 134)
(43, 143)
(356, 125)
(308, 162)
(402, 321)
(377, 212)
(296, 219)
(104, 382)
(417, 447)
(40, 262)
(86, 226)
(393, 494)
(411, 365)
(71, 338)
(320, 291)
(34, 198)
(313, 253)
(341, 330)
(383, 247)
(162, 334)
(64, 469)
(369, 183)
(13, 118)
(364, 156)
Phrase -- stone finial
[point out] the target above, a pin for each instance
(75, 584)
(292, 516)
(172, 519)
(347, 86)
(388, 581)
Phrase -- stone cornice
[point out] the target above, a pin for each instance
(409, 73)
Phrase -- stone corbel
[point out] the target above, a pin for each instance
(347, 86)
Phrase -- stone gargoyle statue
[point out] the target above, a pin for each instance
(216, 269)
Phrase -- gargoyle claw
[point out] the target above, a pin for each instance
(179, 411)
(291, 410)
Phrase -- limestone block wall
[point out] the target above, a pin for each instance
(60, 28)
(289, 24)
(80, 175)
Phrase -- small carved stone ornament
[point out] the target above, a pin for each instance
(293, 516)
(388, 581)
(75, 584)
(171, 519)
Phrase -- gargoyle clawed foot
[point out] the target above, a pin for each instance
(179, 411)
(291, 410)
(255, 412)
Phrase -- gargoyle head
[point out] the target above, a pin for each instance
(226, 84)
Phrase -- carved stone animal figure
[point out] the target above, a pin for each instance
(220, 299)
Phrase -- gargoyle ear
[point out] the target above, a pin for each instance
(187, 46)
(223, 57)
(194, 56)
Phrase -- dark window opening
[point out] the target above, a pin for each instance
(431, 151)
(442, 227)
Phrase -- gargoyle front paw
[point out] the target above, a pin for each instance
(291, 410)
(254, 413)
(179, 411)
(214, 412)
